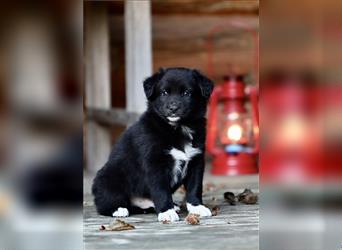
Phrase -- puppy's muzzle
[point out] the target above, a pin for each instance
(172, 108)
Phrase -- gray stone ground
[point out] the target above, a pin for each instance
(235, 227)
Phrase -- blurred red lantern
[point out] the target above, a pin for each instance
(292, 151)
(233, 128)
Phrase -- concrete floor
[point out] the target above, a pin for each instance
(235, 227)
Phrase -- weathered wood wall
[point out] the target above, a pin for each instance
(179, 32)
(182, 40)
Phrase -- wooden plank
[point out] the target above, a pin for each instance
(112, 117)
(97, 67)
(138, 48)
(97, 81)
(235, 227)
(196, 7)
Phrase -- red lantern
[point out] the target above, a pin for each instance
(233, 129)
(292, 151)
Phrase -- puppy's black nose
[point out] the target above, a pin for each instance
(173, 107)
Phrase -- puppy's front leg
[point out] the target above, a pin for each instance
(159, 187)
(193, 184)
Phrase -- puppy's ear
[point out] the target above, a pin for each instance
(150, 82)
(205, 84)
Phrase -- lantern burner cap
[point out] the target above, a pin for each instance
(233, 77)
(234, 148)
(238, 148)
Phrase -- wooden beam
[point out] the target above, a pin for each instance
(198, 7)
(112, 117)
(97, 73)
(195, 7)
(138, 46)
(97, 81)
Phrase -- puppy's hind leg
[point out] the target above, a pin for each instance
(109, 197)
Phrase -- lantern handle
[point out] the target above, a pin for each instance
(253, 94)
(212, 122)
(235, 24)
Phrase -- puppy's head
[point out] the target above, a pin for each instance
(177, 94)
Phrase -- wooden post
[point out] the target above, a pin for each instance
(97, 81)
(138, 47)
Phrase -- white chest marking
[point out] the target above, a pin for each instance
(182, 159)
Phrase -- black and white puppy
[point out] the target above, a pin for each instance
(160, 152)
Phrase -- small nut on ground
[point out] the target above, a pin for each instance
(248, 197)
(166, 222)
(230, 198)
(193, 219)
(215, 210)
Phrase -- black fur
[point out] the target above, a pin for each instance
(139, 164)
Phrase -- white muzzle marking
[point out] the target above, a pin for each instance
(173, 119)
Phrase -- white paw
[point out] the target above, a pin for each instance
(121, 212)
(169, 215)
(200, 209)
(176, 208)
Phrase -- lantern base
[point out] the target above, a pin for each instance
(234, 164)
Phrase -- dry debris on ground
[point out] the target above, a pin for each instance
(215, 210)
(193, 219)
(246, 197)
(117, 225)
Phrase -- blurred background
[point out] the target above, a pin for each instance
(300, 125)
(41, 125)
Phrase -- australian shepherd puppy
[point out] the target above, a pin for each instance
(160, 152)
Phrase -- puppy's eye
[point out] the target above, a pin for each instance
(186, 93)
(164, 93)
